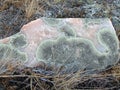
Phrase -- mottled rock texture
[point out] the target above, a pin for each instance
(74, 43)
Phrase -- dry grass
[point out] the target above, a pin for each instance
(6, 3)
(31, 7)
(36, 80)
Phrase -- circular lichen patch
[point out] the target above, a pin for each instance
(10, 53)
(18, 41)
(68, 52)
(68, 30)
(79, 52)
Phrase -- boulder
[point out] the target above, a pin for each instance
(74, 43)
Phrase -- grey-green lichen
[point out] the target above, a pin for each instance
(79, 53)
(10, 53)
(109, 40)
(18, 41)
(68, 30)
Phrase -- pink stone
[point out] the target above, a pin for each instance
(40, 30)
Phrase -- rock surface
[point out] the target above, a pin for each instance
(74, 43)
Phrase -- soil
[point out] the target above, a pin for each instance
(16, 13)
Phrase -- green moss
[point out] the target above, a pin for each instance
(8, 52)
(18, 41)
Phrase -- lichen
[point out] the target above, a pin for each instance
(8, 52)
(66, 51)
(18, 41)
(109, 40)
(79, 52)
(68, 30)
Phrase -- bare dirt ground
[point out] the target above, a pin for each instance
(15, 13)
